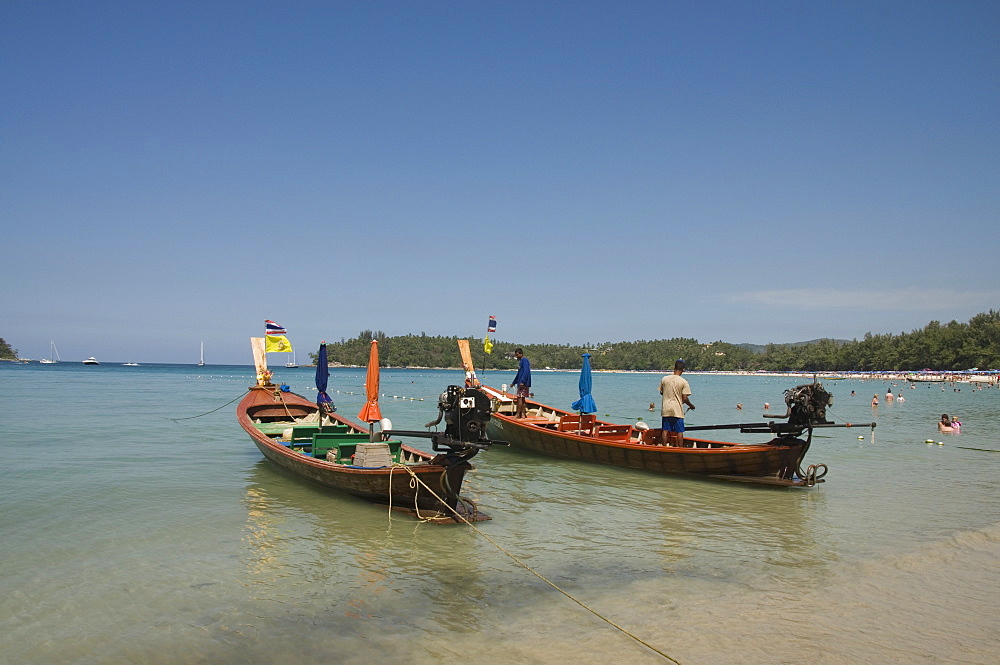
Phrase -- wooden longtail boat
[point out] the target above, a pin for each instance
(286, 429)
(567, 435)
(312, 441)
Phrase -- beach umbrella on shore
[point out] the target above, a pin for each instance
(370, 412)
(323, 400)
(586, 402)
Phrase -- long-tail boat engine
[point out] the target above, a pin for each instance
(807, 406)
(466, 412)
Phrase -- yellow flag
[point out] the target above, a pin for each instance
(487, 345)
(277, 344)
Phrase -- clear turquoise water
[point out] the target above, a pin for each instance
(130, 537)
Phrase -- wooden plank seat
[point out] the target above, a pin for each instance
(323, 442)
(304, 433)
(345, 451)
(272, 429)
(345, 445)
(540, 417)
(577, 423)
(337, 436)
(614, 432)
(651, 437)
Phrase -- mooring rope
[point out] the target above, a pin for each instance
(415, 481)
(208, 412)
(278, 396)
(416, 493)
(534, 572)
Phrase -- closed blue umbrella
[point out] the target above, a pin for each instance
(586, 403)
(323, 400)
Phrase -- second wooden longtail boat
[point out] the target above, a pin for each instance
(567, 435)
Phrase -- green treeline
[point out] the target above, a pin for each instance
(952, 346)
(7, 353)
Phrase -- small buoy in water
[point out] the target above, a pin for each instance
(940, 443)
(929, 441)
(861, 438)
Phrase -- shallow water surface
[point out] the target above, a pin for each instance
(130, 537)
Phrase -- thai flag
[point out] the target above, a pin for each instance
(273, 328)
(492, 326)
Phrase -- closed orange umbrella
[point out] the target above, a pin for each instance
(370, 412)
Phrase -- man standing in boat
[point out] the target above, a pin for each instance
(522, 382)
(676, 393)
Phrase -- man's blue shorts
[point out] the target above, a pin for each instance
(672, 424)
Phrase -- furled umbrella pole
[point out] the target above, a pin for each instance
(586, 402)
(323, 401)
(370, 412)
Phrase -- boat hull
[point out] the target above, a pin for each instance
(772, 463)
(391, 485)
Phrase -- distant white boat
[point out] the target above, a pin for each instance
(293, 363)
(130, 364)
(201, 361)
(91, 361)
(53, 355)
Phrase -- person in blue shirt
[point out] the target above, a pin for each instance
(522, 382)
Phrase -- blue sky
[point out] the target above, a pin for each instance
(586, 171)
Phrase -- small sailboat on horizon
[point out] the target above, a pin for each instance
(53, 355)
(201, 360)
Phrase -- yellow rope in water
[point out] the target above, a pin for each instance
(533, 572)
(413, 483)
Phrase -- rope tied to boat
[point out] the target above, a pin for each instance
(240, 396)
(415, 483)
(415, 479)
(278, 397)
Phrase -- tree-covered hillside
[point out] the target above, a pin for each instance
(7, 353)
(951, 346)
